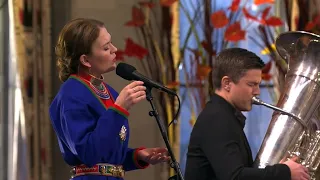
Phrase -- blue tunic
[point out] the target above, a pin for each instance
(88, 132)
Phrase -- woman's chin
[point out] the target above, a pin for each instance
(112, 68)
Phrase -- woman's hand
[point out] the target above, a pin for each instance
(131, 94)
(153, 155)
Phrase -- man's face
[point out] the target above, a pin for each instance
(241, 93)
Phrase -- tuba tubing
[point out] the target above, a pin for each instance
(258, 101)
(310, 152)
(294, 130)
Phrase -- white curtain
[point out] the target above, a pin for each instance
(16, 143)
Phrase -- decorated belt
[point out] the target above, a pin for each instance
(98, 169)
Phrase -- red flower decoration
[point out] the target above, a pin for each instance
(272, 21)
(248, 15)
(120, 55)
(259, 2)
(135, 50)
(310, 25)
(138, 18)
(266, 77)
(266, 71)
(234, 33)
(203, 71)
(235, 5)
(219, 19)
(173, 84)
(267, 67)
(265, 12)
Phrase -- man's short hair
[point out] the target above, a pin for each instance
(234, 63)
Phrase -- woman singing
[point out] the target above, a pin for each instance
(89, 117)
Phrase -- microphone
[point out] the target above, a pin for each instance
(130, 73)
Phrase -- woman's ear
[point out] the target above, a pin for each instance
(84, 61)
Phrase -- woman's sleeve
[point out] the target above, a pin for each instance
(131, 161)
(89, 139)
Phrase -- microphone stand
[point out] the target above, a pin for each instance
(174, 164)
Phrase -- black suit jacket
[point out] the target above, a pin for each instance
(219, 150)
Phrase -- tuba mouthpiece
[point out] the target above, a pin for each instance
(257, 101)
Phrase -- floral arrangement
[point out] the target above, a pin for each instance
(153, 22)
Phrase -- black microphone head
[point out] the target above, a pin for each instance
(125, 71)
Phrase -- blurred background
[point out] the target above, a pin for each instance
(171, 41)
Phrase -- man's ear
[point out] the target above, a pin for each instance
(225, 83)
(84, 60)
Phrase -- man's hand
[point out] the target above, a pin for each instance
(298, 172)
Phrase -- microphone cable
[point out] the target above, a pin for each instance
(177, 113)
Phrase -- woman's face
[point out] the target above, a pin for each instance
(103, 54)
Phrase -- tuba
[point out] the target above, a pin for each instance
(294, 129)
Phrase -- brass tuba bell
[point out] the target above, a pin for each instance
(294, 129)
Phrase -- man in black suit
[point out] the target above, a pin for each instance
(218, 148)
